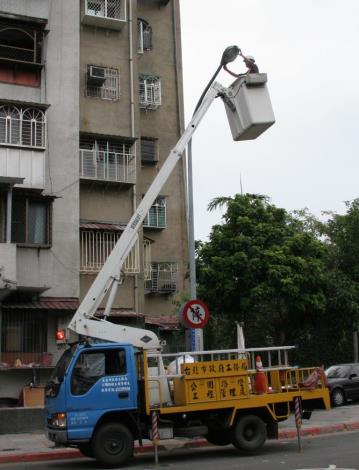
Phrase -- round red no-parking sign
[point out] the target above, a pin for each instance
(195, 314)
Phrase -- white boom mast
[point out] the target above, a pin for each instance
(84, 321)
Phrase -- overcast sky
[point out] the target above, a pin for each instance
(310, 51)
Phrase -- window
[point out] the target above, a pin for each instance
(19, 43)
(91, 366)
(144, 36)
(163, 278)
(30, 221)
(156, 217)
(150, 92)
(148, 151)
(24, 127)
(23, 336)
(102, 83)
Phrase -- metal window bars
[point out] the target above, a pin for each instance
(96, 246)
(109, 90)
(156, 217)
(144, 39)
(150, 92)
(23, 338)
(164, 278)
(114, 9)
(22, 127)
(20, 44)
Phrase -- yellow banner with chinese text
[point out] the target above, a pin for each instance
(225, 368)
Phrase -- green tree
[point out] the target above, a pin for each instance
(342, 316)
(261, 266)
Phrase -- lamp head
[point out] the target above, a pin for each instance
(230, 54)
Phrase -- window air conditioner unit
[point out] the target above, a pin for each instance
(95, 76)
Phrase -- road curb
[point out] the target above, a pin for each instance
(60, 454)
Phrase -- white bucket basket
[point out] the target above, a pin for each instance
(250, 110)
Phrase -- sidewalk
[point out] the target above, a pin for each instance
(35, 447)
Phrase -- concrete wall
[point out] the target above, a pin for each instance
(58, 266)
(8, 262)
(62, 179)
(113, 118)
(166, 125)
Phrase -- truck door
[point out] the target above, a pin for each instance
(102, 379)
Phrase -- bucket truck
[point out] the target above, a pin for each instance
(104, 396)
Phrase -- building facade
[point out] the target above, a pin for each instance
(90, 106)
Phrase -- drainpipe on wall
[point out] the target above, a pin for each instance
(132, 118)
(8, 214)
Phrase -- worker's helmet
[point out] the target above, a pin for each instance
(250, 57)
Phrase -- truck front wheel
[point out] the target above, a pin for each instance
(249, 433)
(113, 444)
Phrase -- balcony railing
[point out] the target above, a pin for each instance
(108, 166)
(164, 278)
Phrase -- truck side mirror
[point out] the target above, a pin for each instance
(351, 376)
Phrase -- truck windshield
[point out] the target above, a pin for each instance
(58, 373)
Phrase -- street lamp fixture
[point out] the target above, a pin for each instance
(230, 54)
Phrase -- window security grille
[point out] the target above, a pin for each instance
(102, 83)
(150, 92)
(24, 337)
(106, 8)
(148, 151)
(164, 278)
(30, 222)
(156, 217)
(107, 160)
(144, 36)
(24, 127)
(96, 246)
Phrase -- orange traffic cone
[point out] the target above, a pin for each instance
(260, 379)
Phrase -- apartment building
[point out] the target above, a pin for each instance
(90, 106)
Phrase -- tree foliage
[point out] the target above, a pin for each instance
(287, 276)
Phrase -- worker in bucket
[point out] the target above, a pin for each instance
(249, 61)
(250, 64)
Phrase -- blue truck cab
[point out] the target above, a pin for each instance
(91, 387)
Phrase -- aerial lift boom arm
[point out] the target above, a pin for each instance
(108, 279)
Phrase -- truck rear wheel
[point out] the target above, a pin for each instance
(113, 444)
(249, 433)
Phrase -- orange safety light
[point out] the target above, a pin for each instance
(60, 335)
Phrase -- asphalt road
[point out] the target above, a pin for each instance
(340, 450)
